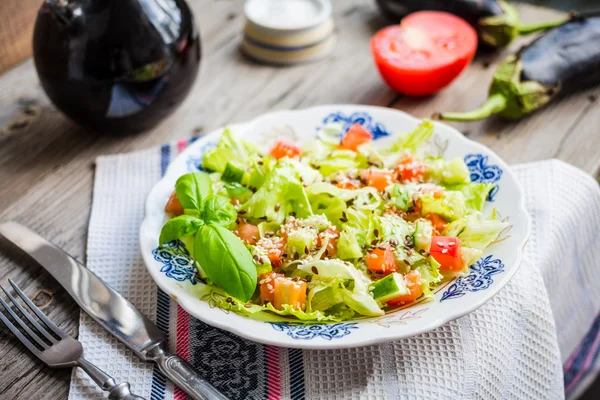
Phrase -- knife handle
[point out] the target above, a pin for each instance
(181, 373)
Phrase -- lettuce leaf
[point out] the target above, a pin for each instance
(356, 232)
(358, 298)
(265, 312)
(479, 234)
(451, 206)
(411, 141)
(281, 194)
(448, 172)
(229, 148)
(475, 194)
(430, 275)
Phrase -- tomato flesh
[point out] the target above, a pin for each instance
(410, 169)
(379, 179)
(173, 205)
(438, 222)
(279, 290)
(248, 233)
(381, 260)
(356, 136)
(332, 235)
(284, 149)
(415, 286)
(448, 252)
(425, 53)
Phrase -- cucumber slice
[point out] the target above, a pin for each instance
(422, 235)
(232, 173)
(237, 191)
(389, 287)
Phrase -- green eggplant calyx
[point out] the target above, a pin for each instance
(499, 30)
(509, 96)
(493, 105)
(526, 29)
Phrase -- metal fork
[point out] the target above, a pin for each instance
(54, 347)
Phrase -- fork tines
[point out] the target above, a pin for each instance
(36, 340)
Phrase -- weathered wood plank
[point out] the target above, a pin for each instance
(16, 30)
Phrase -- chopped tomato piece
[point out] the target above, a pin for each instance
(282, 149)
(415, 287)
(267, 287)
(290, 291)
(275, 253)
(173, 205)
(356, 136)
(379, 179)
(438, 222)
(279, 290)
(333, 234)
(410, 169)
(248, 233)
(447, 251)
(382, 260)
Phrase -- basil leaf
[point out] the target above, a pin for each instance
(192, 189)
(226, 261)
(178, 227)
(218, 210)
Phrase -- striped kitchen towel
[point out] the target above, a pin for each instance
(539, 338)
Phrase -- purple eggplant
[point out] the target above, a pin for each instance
(564, 60)
(496, 21)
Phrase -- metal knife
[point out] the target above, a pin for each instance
(110, 309)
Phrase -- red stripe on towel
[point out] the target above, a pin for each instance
(273, 373)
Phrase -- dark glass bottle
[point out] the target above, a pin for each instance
(116, 66)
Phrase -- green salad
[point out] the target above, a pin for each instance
(335, 230)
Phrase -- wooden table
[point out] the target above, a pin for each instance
(47, 162)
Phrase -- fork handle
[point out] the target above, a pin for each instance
(117, 391)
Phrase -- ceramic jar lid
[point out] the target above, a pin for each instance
(288, 31)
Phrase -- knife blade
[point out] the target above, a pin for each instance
(110, 309)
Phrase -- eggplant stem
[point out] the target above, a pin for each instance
(525, 29)
(493, 105)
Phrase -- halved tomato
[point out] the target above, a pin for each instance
(426, 52)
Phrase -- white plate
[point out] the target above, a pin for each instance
(173, 270)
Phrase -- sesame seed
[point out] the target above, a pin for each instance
(451, 243)
(314, 270)
(376, 232)
(248, 305)
(444, 251)
(373, 255)
(301, 205)
(277, 206)
(440, 244)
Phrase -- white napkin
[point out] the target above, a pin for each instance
(514, 347)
